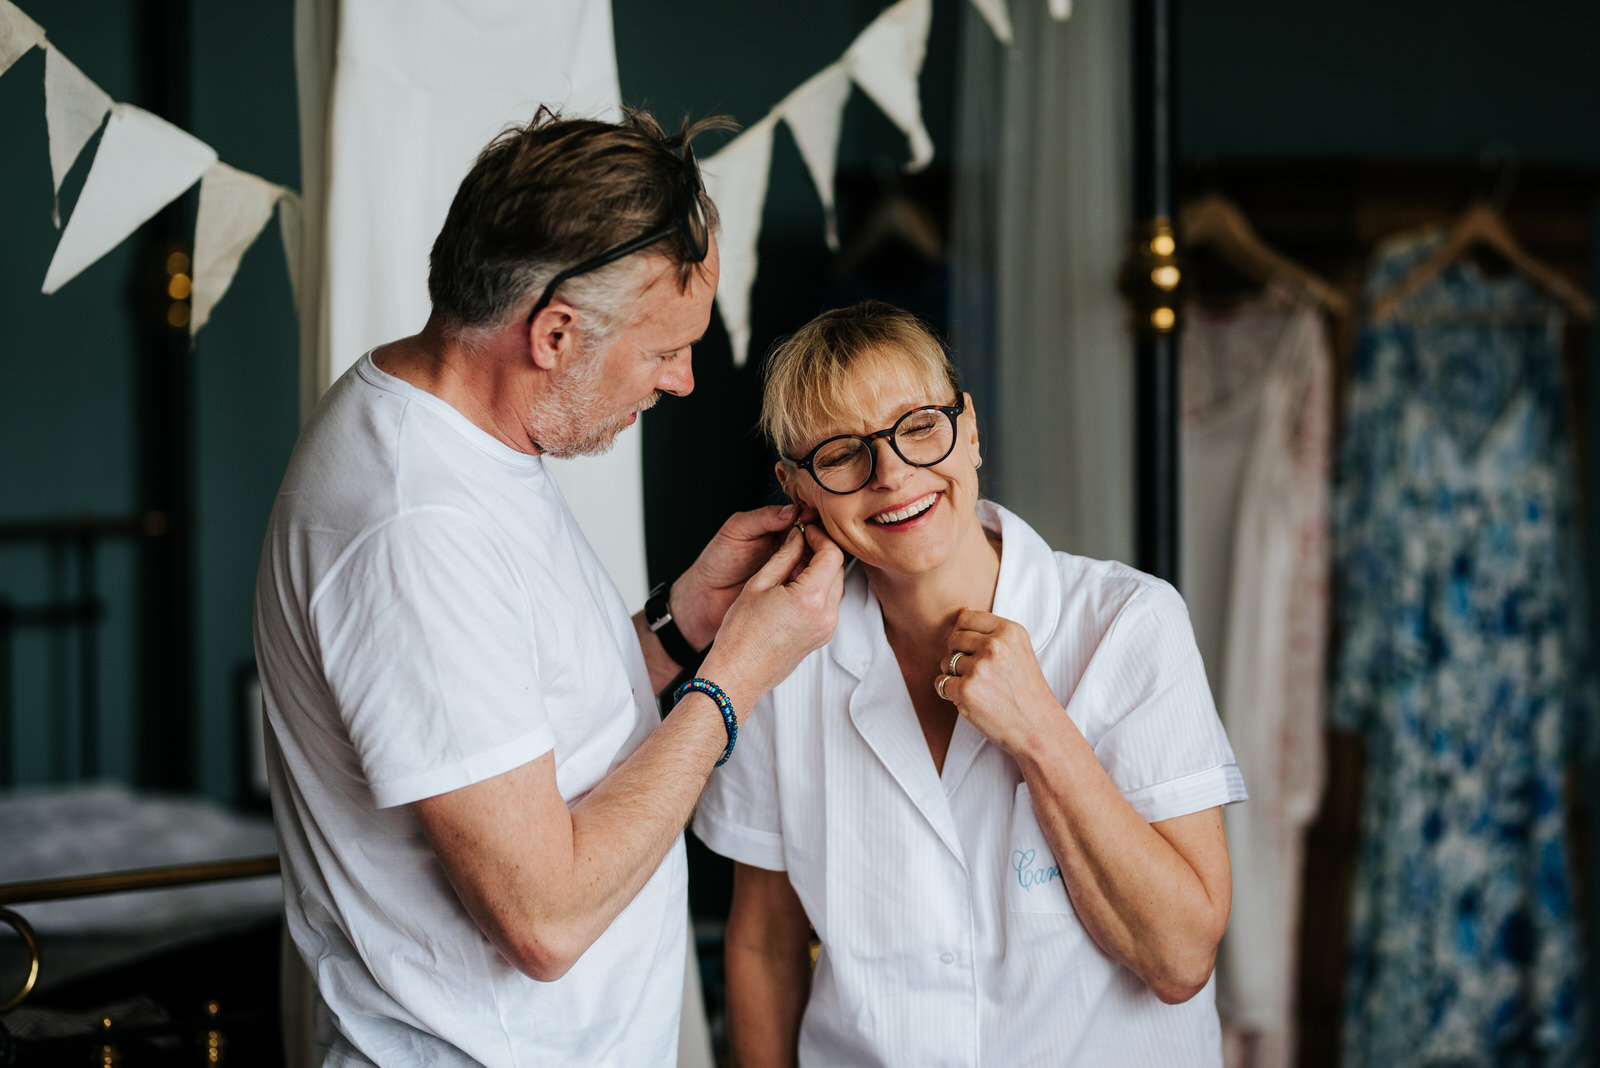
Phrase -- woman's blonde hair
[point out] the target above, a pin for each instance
(810, 379)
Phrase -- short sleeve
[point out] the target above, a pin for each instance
(424, 631)
(738, 813)
(1145, 707)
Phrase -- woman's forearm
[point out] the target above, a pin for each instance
(769, 969)
(1153, 896)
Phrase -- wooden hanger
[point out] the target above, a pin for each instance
(1483, 225)
(1215, 220)
(896, 221)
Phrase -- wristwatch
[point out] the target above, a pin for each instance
(658, 614)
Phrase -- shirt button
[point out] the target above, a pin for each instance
(947, 958)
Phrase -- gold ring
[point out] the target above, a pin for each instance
(955, 658)
(938, 687)
(800, 525)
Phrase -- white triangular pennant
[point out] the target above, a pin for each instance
(73, 108)
(736, 178)
(143, 164)
(234, 206)
(291, 227)
(886, 60)
(1061, 10)
(18, 33)
(814, 113)
(998, 17)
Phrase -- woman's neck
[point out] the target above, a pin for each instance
(919, 610)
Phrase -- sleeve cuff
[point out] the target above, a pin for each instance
(474, 769)
(759, 849)
(1221, 785)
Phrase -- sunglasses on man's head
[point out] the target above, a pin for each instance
(689, 223)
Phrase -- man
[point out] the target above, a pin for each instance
(479, 807)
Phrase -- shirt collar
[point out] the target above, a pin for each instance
(1028, 592)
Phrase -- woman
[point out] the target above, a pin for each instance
(994, 795)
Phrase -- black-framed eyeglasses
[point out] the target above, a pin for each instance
(922, 437)
(689, 223)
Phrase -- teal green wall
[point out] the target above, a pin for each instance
(246, 385)
(67, 364)
(1396, 78)
(66, 425)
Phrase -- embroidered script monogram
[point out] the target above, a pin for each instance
(1028, 876)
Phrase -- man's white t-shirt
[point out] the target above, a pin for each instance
(428, 615)
(947, 934)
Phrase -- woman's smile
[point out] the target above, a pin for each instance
(905, 515)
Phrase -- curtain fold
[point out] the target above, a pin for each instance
(1043, 172)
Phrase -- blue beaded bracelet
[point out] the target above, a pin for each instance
(725, 706)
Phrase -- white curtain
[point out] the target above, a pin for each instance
(1043, 162)
(397, 97)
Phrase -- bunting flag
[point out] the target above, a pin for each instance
(73, 109)
(234, 207)
(143, 164)
(292, 228)
(736, 178)
(18, 33)
(814, 113)
(995, 13)
(886, 61)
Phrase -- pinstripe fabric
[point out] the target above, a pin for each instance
(947, 935)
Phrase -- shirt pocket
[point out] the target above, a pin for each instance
(1032, 877)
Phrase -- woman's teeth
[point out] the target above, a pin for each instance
(900, 515)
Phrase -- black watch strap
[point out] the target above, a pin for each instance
(658, 615)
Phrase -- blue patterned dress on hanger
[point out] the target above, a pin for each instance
(1463, 663)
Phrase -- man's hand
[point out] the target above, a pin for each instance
(702, 595)
(783, 611)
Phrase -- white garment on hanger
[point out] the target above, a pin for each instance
(1255, 462)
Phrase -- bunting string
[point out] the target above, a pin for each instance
(143, 162)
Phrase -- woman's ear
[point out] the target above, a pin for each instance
(790, 481)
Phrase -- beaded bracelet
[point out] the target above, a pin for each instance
(725, 706)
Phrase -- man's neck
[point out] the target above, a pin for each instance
(479, 384)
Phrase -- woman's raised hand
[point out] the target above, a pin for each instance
(992, 677)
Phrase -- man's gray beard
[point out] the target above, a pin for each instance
(564, 421)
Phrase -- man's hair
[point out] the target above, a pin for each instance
(550, 194)
(812, 377)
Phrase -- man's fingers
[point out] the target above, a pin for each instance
(826, 563)
(780, 563)
(817, 536)
(760, 522)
